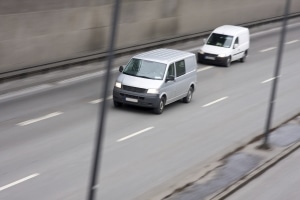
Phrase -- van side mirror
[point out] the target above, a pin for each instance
(121, 69)
(170, 78)
(204, 40)
(235, 46)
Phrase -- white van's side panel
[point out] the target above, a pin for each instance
(243, 38)
(182, 83)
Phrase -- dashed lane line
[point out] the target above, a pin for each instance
(268, 49)
(100, 100)
(213, 102)
(135, 134)
(270, 79)
(18, 181)
(204, 68)
(31, 121)
(292, 42)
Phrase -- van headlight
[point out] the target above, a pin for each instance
(152, 91)
(201, 52)
(222, 55)
(118, 85)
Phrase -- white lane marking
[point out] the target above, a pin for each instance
(216, 101)
(100, 100)
(193, 49)
(268, 49)
(25, 91)
(273, 30)
(18, 181)
(96, 101)
(270, 79)
(291, 42)
(39, 119)
(204, 68)
(135, 134)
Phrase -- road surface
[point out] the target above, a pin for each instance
(47, 138)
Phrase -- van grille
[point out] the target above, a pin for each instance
(134, 89)
(209, 54)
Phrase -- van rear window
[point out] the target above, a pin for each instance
(220, 40)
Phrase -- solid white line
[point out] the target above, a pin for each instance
(100, 100)
(204, 68)
(25, 91)
(82, 77)
(291, 42)
(134, 134)
(216, 101)
(18, 181)
(270, 79)
(39, 119)
(268, 49)
(192, 49)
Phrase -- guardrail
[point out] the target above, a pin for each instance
(125, 51)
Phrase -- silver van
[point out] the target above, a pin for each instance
(156, 78)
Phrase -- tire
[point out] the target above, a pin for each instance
(158, 110)
(227, 62)
(189, 96)
(243, 59)
(198, 59)
(117, 104)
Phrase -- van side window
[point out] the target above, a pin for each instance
(171, 71)
(180, 68)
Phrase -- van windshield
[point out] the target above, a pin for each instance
(145, 69)
(220, 40)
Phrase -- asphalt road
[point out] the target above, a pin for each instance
(47, 138)
(280, 182)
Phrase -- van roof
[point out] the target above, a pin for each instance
(230, 30)
(163, 55)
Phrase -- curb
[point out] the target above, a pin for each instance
(226, 192)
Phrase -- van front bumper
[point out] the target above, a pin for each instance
(210, 58)
(134, 98)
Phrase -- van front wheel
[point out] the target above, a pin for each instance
(227, 62)
(160, 108)
(117, 104)
(189, 96)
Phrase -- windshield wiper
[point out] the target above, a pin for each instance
(145, 77)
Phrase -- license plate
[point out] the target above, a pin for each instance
(210, 58)
(131, 100)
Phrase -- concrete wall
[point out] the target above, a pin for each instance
(34, 32)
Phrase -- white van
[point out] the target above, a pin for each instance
(156, 78)
(225, 44)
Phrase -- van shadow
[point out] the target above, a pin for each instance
(146, 111)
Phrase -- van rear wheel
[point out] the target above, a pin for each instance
(189, 96)
(243, 59)
(160, 108)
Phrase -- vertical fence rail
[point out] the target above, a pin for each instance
(96, 162)
(265, 144)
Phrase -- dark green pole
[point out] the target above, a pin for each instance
(96, 162)
(265, 144)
